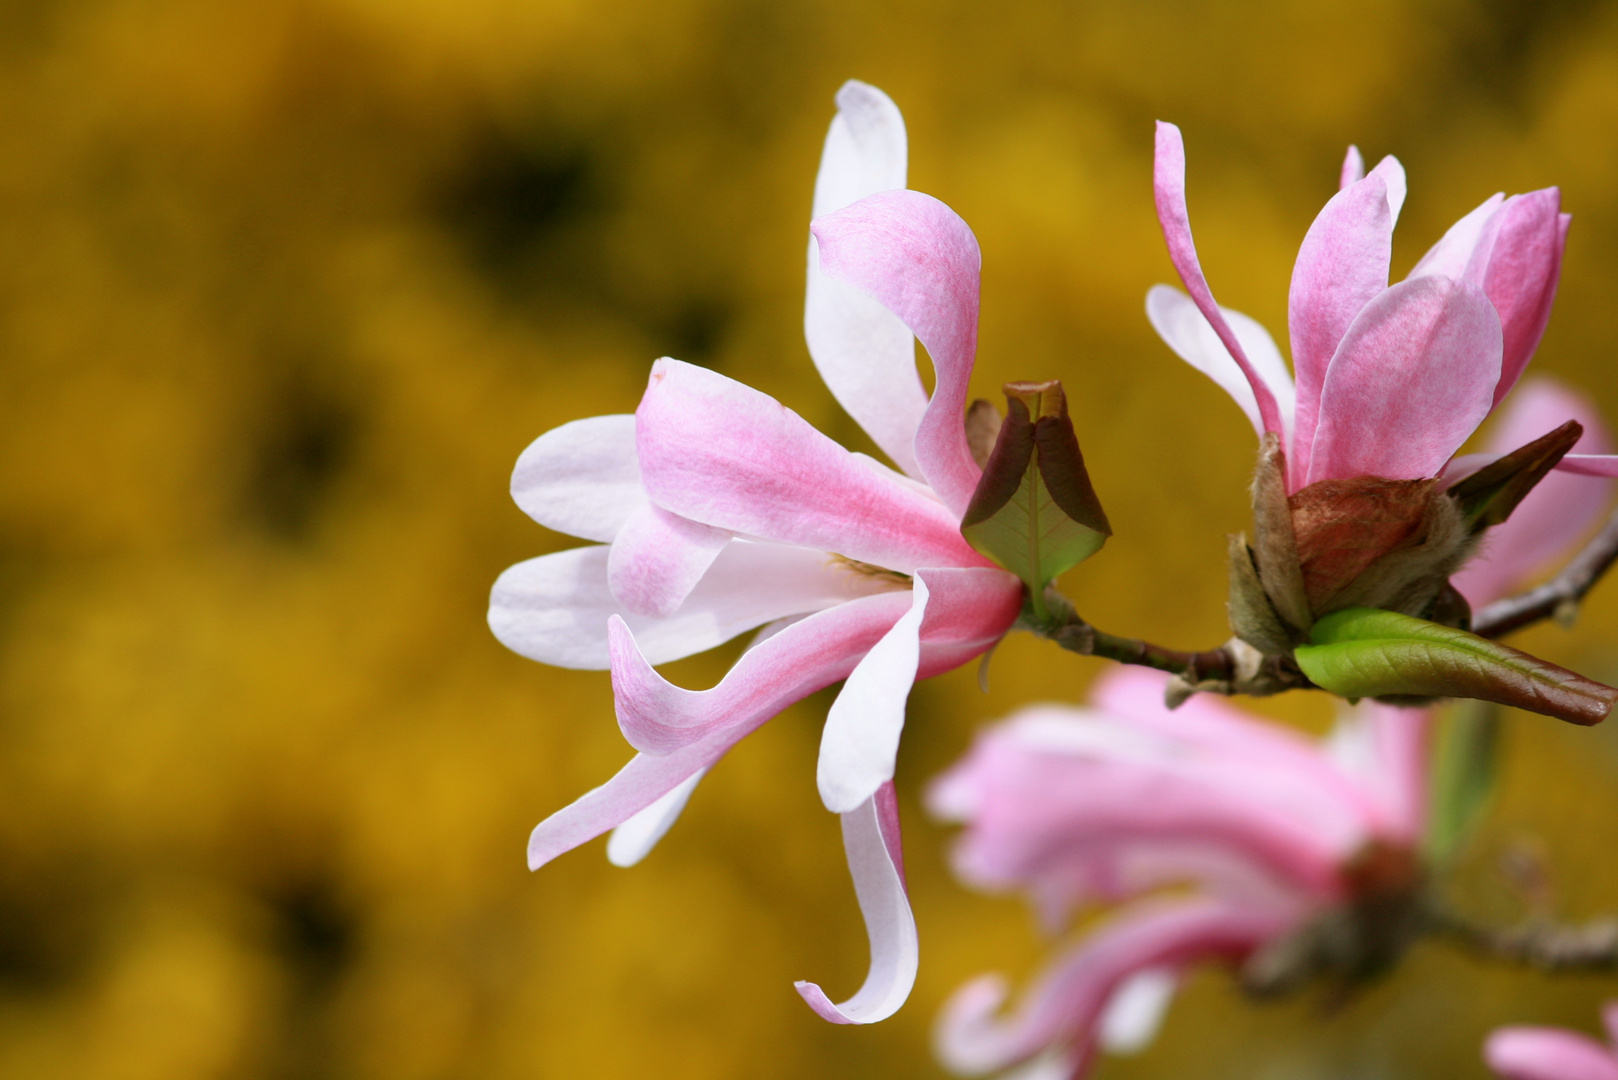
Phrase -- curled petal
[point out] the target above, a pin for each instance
(860, 741)
(1412, 379)
(554, 609)
(807, 656)
(1546, 1053)
(1182, 326)
(1342, 266)
(955, 615)
(918, 258)
(658, 717)
(658, 558)
(871, 841)
(1168, 178)
(634, 839)
(863, 351)
(581, 478)
(1063, 1008)
(718, 452)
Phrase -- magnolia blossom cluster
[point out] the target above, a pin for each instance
(1222, 834)
(715, 511)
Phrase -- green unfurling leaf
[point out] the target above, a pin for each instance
(1463, 776)
(1034, 511)
(1367, 652)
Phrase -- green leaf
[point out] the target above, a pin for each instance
(1464, 773)
(1034, 511)
(1367, 652)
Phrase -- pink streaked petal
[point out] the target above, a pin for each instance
(1413, 378)
(581, 478)
(1609, 1020)
(1557, 513)
(1063, 1008)
(1342, 266)
(1547, 1053)
(968, 610)
(917, 258)
(1353, 170)
(1524, 265)
(1182, 326)
(864, 352)
(658, 558)
(871, 841)
(1168, 180)
(1453, 253)
(634, 839)
(554, 609)
(721, 453)
(860, 740)
(658, 717)
(1054, 788)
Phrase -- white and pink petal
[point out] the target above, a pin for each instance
(864, 352)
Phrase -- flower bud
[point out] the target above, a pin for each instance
(1034, 511)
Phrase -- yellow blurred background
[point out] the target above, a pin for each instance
(288, 284)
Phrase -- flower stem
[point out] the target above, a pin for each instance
(1558, 597)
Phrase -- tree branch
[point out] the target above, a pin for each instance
(1592, 946)
(1559, 596)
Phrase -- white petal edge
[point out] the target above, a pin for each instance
(1183, 328)
(860, 742)
(634, 839)
(1393, 175)
(865, 354)
(871, 841)
(554, 609)
(1135, 1012)
(582, 478)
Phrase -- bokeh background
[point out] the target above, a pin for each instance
(288, 284)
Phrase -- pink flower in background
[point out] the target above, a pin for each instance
(1254, 829)
(1560, 509)
(1547, 1053)
(719, 510)
(1390, 380)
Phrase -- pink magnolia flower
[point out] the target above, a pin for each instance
(1548, 1053)
(718, 510)
(1113, 803)
(1255, 828)
(1391, 380)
